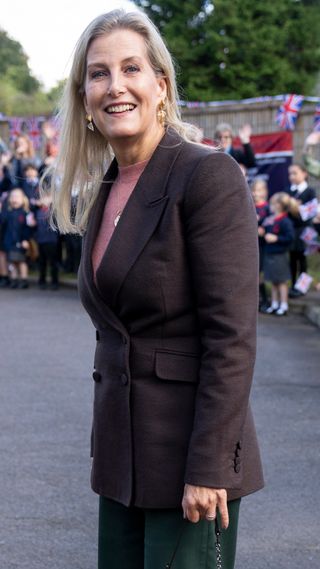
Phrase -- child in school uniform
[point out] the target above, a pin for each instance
(30, 184)
(16, 235)
(260, 192)
(279, 234)
(303, 193)
(4, 273)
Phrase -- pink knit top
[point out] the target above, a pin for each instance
(120, 192)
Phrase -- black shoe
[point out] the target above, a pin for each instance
(14, 283)
(263, 308)
(42, 285)
(5, 282)
(294, 293)
(24, 284)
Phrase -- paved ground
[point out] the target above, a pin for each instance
(49, 514)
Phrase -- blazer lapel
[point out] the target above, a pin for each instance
(93, 301)
(139, 218)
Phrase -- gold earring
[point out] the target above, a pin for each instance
(90, 125)
(161, 113)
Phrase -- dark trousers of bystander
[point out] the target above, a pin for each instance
(298, 265)
(48, 256)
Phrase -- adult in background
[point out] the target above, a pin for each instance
(311, 163)
(172, 300)
(224, 135)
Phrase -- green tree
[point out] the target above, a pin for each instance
(20, 92)
(231, 49)
(14, 67)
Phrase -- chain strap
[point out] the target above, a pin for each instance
(217, 546)
(169, 565)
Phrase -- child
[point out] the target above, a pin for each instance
(47, 240)
(260, 195)
(16, 234)
(301, 191)
(30, 183)
(4, 274)
(279, 234)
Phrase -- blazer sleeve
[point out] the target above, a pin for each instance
(221, 234)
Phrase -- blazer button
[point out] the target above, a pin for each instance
(124, 379)
(96, 375)
(237, 468)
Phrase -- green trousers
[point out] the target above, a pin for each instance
(136, 538)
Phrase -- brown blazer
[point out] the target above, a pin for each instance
(175, 313)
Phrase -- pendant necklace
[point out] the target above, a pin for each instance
(116, 219)
(119, 211)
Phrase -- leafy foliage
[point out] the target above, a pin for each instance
(231, 49)
(20, 92)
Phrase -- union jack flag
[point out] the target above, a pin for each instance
(309, 235)
(316, 119)
(288, 112)
(34, 131)
(309, 209)
(15, 127)
(303, 283)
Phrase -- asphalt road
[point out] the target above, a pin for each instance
(48, 514)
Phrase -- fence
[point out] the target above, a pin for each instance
(260, 115)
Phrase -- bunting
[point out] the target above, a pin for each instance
(34, 131)
(288, 112)
(316, 119)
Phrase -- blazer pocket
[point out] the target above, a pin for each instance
(176, 366)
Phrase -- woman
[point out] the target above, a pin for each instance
(172, 434)
(23, 155)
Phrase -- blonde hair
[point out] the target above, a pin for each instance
(84, 156)
(25, 200)
(288, 204)
(30, 152)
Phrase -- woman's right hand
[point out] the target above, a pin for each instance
(200, 502)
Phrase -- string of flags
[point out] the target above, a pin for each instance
(288, 112)
(316, 119)
(286, 116)
(37, 128)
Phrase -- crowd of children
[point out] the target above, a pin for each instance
(281, 226)
(26, 237)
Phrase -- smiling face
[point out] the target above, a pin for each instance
(297, 175)
(122, 94)
(259, 192)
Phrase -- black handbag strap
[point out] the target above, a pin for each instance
(217, 530)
